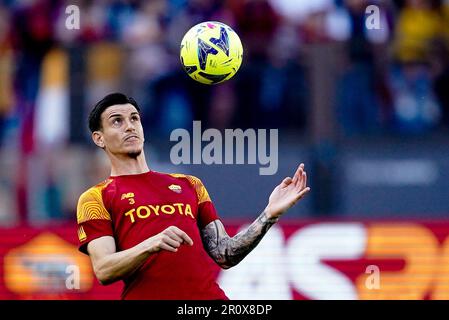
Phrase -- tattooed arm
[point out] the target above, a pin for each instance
(227, 251)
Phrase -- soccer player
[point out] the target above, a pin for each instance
(155, 231)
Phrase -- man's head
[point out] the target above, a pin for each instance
(115, 125)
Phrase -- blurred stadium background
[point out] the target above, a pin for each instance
(367, 110)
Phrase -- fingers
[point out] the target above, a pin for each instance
(170, 232)
(300, 178)
(171, 239)
(186, 238)
(179, 235)
(286, 182)
(300, 195)
(170, 244)
(303, 192)
(305, 179)
(302, 181)
(165, 246)
(298, 173)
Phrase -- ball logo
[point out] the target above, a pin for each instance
(222, 42)
(203, 51)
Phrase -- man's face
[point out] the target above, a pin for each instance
(121, 132)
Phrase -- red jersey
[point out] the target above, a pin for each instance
(132, 208)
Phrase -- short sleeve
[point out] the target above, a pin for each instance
(206, 209)
(206, 214)
(93, 220)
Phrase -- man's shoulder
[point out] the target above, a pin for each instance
(91, 205)
(96, 190)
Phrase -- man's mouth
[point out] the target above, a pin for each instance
(132, 137)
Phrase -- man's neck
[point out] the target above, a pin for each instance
(127, 165)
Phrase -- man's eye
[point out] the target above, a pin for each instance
(135, 118)
(117, 121)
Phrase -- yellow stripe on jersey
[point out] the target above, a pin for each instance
(91, 206)
(201, 191)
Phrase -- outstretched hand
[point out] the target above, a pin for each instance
(287, 193)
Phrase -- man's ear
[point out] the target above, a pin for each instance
(97, 137)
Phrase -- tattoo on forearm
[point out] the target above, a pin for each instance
(227, 251)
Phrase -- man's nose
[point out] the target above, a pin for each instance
(130, 125)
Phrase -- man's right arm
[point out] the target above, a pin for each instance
(110, 265)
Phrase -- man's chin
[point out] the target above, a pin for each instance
(134, 153)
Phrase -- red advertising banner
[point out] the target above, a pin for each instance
(295, 260)
(44, 263)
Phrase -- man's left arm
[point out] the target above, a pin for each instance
(228, 251)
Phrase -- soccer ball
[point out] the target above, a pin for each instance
(211, 52)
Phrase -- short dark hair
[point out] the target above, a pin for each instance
(109, 100)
